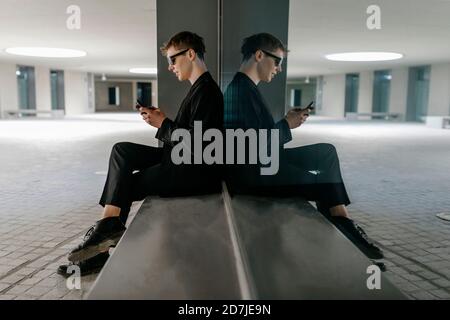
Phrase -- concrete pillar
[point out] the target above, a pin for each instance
(43, 88)
(439, 98)
(76, 92)
(365, 91)
(399, 91)
(173, 16)
(154, 92)
(244, 18)
(333, 96)
(8, 88)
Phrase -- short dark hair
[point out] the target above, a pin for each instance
(260, 41)
(185, 40)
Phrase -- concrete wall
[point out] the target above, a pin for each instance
(439, 98)
(125, 94)
(76, 92)
(173, 16)
(333, 96)
(8, 88)
(365, 91)
(399, 91)
(308, 92)
(43, 88)
(244, 18)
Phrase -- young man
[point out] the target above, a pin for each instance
(311, 171)
(157, 174)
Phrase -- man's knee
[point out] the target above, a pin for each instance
(327, 148)
(120, 147)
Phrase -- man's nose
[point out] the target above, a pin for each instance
(170, 67)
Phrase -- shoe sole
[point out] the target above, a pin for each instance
(92, 251)
(67, 275)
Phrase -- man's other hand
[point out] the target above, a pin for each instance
(153, 117)
(297, 116)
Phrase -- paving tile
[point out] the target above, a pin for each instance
(398, 214)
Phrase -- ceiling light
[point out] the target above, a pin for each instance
(364, 56)
(144, 70)
(46, 52)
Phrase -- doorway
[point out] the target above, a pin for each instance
(26, 87)
(381, 91)
(57, 89)
(351, 92)
(144, 93)
(418, 92)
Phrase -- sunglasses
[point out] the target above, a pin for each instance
(278, 60)
(172, 59)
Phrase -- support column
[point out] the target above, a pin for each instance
(365, 91)
(241, 19)
(439, 99)
(173, 16)
(399, 91)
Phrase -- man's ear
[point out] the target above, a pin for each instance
(258, 55)
(192, 54)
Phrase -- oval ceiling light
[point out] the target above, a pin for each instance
(364, 56)
(44, 52)
(144, 70)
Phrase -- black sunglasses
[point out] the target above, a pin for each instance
(172, 59)
(278, 60)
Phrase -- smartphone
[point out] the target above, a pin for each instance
(140, 104)
(310, 106)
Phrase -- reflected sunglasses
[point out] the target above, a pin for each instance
(172, 59)
(278, 60)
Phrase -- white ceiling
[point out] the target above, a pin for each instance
(419, 29)
(121, 34)
(116, 34)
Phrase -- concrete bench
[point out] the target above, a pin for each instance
(372, 115)
(21, 112)
(293, 252)
(244, 247)
(175, 248)
(439, 122)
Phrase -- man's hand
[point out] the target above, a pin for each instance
(153, 117)
(297, 116)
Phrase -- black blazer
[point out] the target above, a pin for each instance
(246, 108)
(204, 102)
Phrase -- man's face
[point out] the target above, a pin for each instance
(270, 64)
(179, 62)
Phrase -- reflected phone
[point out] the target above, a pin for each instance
(310, 106)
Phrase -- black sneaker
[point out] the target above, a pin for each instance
(89, 266)
(104, 234)
(357, 235)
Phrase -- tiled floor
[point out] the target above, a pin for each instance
(398, 179)
(397, 176)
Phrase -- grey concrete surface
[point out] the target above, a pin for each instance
(175, 248)
(52, 173)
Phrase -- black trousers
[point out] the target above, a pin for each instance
(123, 185)
(312, 172)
